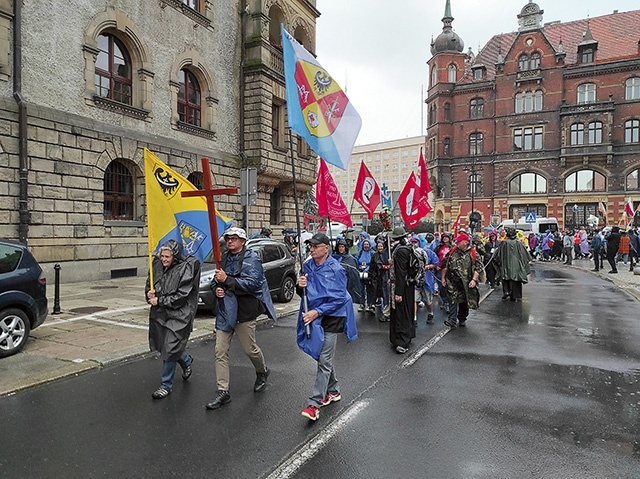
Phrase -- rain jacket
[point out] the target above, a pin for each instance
(513, 261)
(171, 321)
(460, 267)
(326, 293)
(249, 280)
(354, 285)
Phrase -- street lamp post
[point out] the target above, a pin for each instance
(473, 184)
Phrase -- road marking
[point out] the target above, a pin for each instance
(95, 317)
(424, 348)
(313, 446)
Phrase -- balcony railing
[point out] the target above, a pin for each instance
(595, 107)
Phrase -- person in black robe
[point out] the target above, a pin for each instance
(401, 327)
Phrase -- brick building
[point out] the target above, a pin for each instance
(545, 119)
(86, 85)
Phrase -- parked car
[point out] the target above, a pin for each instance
(23, 296)
(279, 269)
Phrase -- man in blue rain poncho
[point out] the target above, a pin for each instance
(328, 312)
(243, 295)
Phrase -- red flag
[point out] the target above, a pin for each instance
(628, 209)
(425, 187)
(330, 204)
(456, 223)
(413, 206)
(367, 191)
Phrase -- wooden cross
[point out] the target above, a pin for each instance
(209, 193)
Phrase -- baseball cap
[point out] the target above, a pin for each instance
(462, 237)
(319, 238)
(234, 230)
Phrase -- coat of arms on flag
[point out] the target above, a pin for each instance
(318, 109)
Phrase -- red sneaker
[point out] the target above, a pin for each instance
(329, 398)
(311, 412)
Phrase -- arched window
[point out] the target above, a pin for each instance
(476, 108)
(577, 134)
(189, 98)
(631, 183)
(447, 111)
(587, 93)
(594, 135)
(196, 179)
(452, 73)
(446, 147)
(528, 183)
(537, 101)
(434, 75)
(113, 70)
(632, 131)
(523, 62)
(475, 143)
(632, 89)
(276, 17)
(118, 192)
(528, 101)
(432, 115)
(534, 61)
(585, 180)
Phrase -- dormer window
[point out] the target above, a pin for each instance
(478, 73)
(586, 56)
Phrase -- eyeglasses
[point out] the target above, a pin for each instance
(232, 238)
(312, 246)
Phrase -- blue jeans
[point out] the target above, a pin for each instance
(169, 370)
(458, 312)
(325, 378)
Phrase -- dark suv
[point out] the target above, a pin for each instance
(279, 269)
(23, 296)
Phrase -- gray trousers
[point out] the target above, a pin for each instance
(325, 377)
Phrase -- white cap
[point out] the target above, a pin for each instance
(234, 230)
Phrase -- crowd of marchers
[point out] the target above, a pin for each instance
(390, 275)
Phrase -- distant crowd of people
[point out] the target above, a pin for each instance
(390, 275)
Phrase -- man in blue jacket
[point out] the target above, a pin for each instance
(243, 295)
(325, 311)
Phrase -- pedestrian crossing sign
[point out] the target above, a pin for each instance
(530, 218)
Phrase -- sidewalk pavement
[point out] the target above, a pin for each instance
(625, 279)
(100, 323)
(104, 322)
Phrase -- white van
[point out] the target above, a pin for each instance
(540, 226)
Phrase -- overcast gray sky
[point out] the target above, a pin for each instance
(377, 49)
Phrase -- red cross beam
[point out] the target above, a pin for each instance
(209, 193)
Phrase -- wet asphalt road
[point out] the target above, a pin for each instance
(545, 388)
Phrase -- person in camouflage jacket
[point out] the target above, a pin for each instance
(461, 273)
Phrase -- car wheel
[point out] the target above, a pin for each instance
(287, 290)
(14, 331)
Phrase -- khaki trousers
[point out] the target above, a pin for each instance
(246, 333)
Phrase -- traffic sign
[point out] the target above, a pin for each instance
(530, 218)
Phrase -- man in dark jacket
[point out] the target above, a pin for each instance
(596, 247)
(243, 295)
(613, 243)
(174, 302)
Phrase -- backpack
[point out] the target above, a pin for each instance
(418, 261)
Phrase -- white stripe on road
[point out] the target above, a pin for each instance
(310, 448)
(424, 348)
(95, 317)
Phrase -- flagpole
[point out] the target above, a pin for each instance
(297, 210)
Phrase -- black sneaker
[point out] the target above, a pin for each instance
(429, 318)
(450, 324)
(261, 381)
(186, 372)
(462, 324)
(223, 397)
(160, 393)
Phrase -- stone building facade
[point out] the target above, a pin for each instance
(86, 85)
(545, 119)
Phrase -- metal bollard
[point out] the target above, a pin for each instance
(56, 294)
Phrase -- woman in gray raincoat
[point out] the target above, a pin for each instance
(174, 302)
